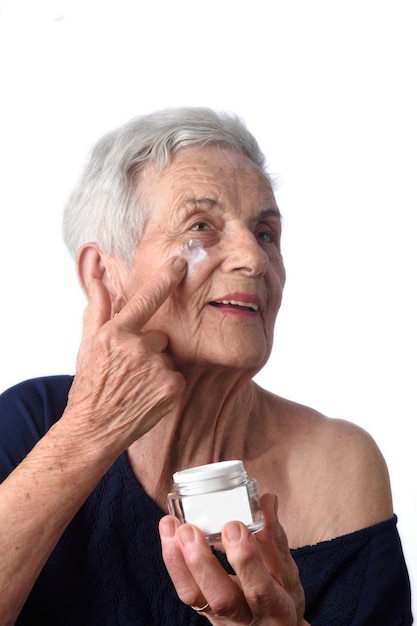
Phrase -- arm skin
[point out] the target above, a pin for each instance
(266, 589)
(123, 386)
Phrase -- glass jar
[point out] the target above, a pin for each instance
(210, 495)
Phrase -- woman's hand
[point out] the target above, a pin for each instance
(266, 588)
(125, 382)
(123, 386)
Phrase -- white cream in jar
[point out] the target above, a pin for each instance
(210, 495)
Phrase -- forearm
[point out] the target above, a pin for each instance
(124, 385)
(37, 502)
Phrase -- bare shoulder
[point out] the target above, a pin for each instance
(334, 470)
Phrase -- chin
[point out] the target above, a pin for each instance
(242, 359)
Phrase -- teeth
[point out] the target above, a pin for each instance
(249, 305)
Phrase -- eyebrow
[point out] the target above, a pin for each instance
(212, 204)
(190, 202)
(198, 200)
(270, 213)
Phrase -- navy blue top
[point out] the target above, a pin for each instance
(107, 568)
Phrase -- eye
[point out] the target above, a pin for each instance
(266, 235)
(200, 227)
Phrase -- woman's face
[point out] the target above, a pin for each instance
(223, 312)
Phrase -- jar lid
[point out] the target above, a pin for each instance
(211, 470)
(221, 475)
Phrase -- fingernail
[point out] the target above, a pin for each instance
(167, 528)
(233, 532)
(180, 263)
(185, 534)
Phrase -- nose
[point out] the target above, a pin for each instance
(243, 253)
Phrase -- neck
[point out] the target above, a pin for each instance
(211, 423)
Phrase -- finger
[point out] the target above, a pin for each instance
(200, 578)
(96, 314)
(184, 583)
(98, 309)
(139, 310)
(265, 567)
(273, 544)
(258, 587)
(155, 342)
(275, 552)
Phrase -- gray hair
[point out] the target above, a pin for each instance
(106, 206)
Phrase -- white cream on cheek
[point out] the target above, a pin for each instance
(194, 252)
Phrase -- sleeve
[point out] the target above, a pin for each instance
(359, 579)
(27, 411)
(386, 596)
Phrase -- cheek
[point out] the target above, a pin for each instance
(275, 290)
(194, 252)
(190, 299)
(195, 289)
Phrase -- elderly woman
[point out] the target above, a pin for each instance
(176, 234)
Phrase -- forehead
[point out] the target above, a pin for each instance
(210, 172)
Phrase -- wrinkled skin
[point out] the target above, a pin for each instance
(219, 200)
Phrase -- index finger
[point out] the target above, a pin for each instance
(139, 310)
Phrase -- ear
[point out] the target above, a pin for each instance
(91, 264)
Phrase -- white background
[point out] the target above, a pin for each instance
(329, 90)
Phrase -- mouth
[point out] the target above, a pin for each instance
(236, 305)
(238, 302)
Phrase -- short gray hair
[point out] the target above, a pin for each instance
(106, 207)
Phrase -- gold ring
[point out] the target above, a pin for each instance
(200, 609)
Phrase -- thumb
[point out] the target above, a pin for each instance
(96, 314)
(273, 542)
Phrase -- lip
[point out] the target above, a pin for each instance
(241, 298)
